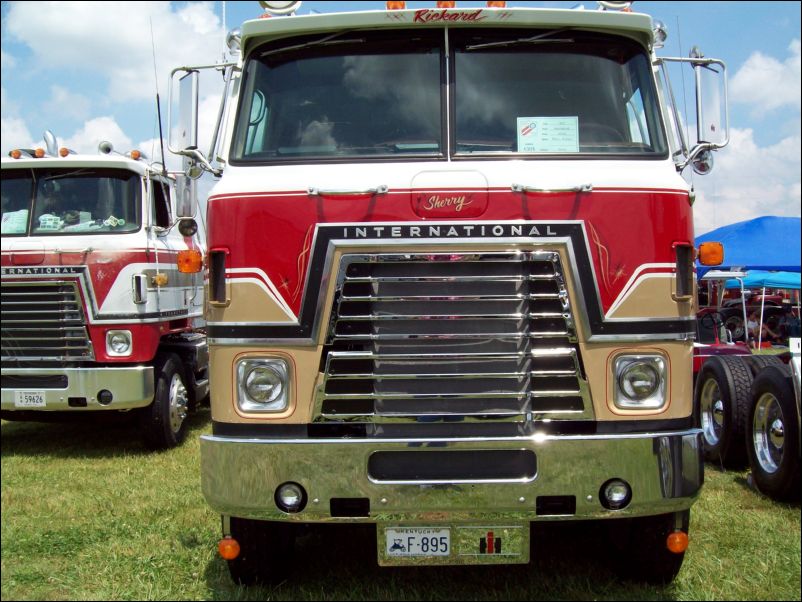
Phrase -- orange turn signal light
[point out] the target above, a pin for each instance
(228, 548)
(677, 542)
(711, 253)
(190, 261)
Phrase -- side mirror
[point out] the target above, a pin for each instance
(711, 104)
(188, 111)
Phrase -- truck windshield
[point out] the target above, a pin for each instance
(514, 92)
(359, 94)
(553, 93)
(70, 201)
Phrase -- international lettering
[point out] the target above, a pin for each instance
(528, 230)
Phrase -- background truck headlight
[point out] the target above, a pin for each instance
(263, 385)
(640, 382)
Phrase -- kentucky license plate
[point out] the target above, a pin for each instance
(29, 399)
(418, 541)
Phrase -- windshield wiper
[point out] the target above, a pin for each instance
(324, 41)
(542, 38)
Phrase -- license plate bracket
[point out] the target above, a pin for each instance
(452, 544)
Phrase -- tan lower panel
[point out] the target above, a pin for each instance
(652, 297)
(249, 303)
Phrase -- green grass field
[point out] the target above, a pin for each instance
(87, 513)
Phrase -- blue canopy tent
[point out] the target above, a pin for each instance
(763, 243)
(763, 279)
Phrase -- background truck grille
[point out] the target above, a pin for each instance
(43, 321)
(476, 336)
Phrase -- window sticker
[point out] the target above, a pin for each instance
(548, 134)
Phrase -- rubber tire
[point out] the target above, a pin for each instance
(155, 423)
(756, 363)
(641, 544)
(266, 551)
(732, 376)
(784, 483)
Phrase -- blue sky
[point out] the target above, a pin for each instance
(85, 70)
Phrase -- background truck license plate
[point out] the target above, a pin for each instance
(29, 399)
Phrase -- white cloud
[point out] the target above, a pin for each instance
(112, 40)
(94, 132)
(15, 134)
(768, 83)
(67, 104)
(749, 181)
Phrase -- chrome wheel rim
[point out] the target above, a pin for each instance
(768, 433)
(712, 411)
(178, 403)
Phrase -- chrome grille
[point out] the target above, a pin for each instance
(476, 336)
(43, 321)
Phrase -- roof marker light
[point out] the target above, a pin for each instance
(446, 4)
(136, 155)
(15, 154)
(64, 151)
(395, 5)
(496, 4)
(39, 153)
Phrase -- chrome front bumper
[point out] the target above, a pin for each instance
(665, 471)
(130, 386)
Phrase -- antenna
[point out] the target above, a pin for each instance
(158, 102)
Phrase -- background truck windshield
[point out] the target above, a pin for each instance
(516, 92)
(70, 201)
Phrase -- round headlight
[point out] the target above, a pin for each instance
(639, 380)
(263, 384)
(119, 343)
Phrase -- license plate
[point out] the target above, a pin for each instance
(418, 541)
(29, 399)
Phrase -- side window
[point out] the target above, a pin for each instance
(160, 209)
(636, 114)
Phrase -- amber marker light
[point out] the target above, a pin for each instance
(63, 151)
(711, 253)
(677, 542)
(446, 4)
(396, 5)
(228, 548)
(16, 153)
(190, 261)
(496, 4)
(136, 155)
(39, 153)
(160, 279)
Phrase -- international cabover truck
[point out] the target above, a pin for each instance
(451, 286)
(102, 295)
